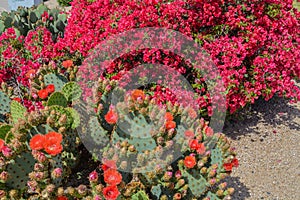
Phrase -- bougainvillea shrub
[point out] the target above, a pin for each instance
(255, 44)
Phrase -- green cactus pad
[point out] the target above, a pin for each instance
(75, 116)
(17, 111)
(212, 196)
(57, 80)
(140, 195)
(40, 10)
(217, 158)
(98, 134)
(197, 183)
(19, 170)
(57, 98)
(156, 191)
(72, 91)
(4, 103)
(41, 129)
(5, 133)
(139, 130)
(62, 111)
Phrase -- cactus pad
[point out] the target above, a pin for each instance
(57, 80)
(212, 196)
(19, 170)
(197, 183)
(217, 158)
(5, 133)
(17, 111)
(72, 91)
(156, 191)
(140, 195)
(4, 103)
(57, 98)
(75, 116)
(98, 134)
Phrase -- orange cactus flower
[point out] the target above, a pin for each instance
(138, 94)
(111, 192)
(61, 198)
(54, 136)
(37, 142)
(109, 164)
(112, 177)
(50, 88)
(43, 94)
(169, 116)
(189, 161)
(52, 147)
(2, 144)
(111, 117)
(67, 63)
(170, 125)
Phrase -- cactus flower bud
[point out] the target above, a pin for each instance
(62, 129)
(50, 188)
(222, 186)
(212, 173)
(212, 181)
(177, 196)
(13, 194)
(7, 152)
(82, 189)
(93, 177)
(179, 184)
(38, 167)
(4, 176)
(203, 170)
(220, 193)
(56, 173)
(167, 176)
(60, 191)
(70, 191)
(32, 186)
(230, 191)
(2, 193)
(2, 162)
(99, 188)
(178, 174)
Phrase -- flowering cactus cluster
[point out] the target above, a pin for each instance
(144, 144)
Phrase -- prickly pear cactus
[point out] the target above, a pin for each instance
(212, 196)
(72, 91)
(217, 158)
(197, 183)
(57, 98)
(57, 80)
(17, 111)
(19, 170)
(140, 195)
(4, 103)
(156, 191)
(5, 133)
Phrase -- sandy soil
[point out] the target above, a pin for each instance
(267, 139)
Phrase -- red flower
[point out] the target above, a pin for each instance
(61, 198)
(54, 136)
(109, 164)
(17, 99)
(112, 177)
(194, 145)
(169, 116)
(111, 192)
(2, 143)
(67, 63)
(235, 162)
(190, 161)
(53, 147)
(43, 94)
(37, 142)
(138, 94)
(227, 167)
(170, 125)
(50, 88)
(111, 117)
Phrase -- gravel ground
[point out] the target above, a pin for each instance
(267, 139)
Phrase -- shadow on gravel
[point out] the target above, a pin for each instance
(241, 192)
(274, 112)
